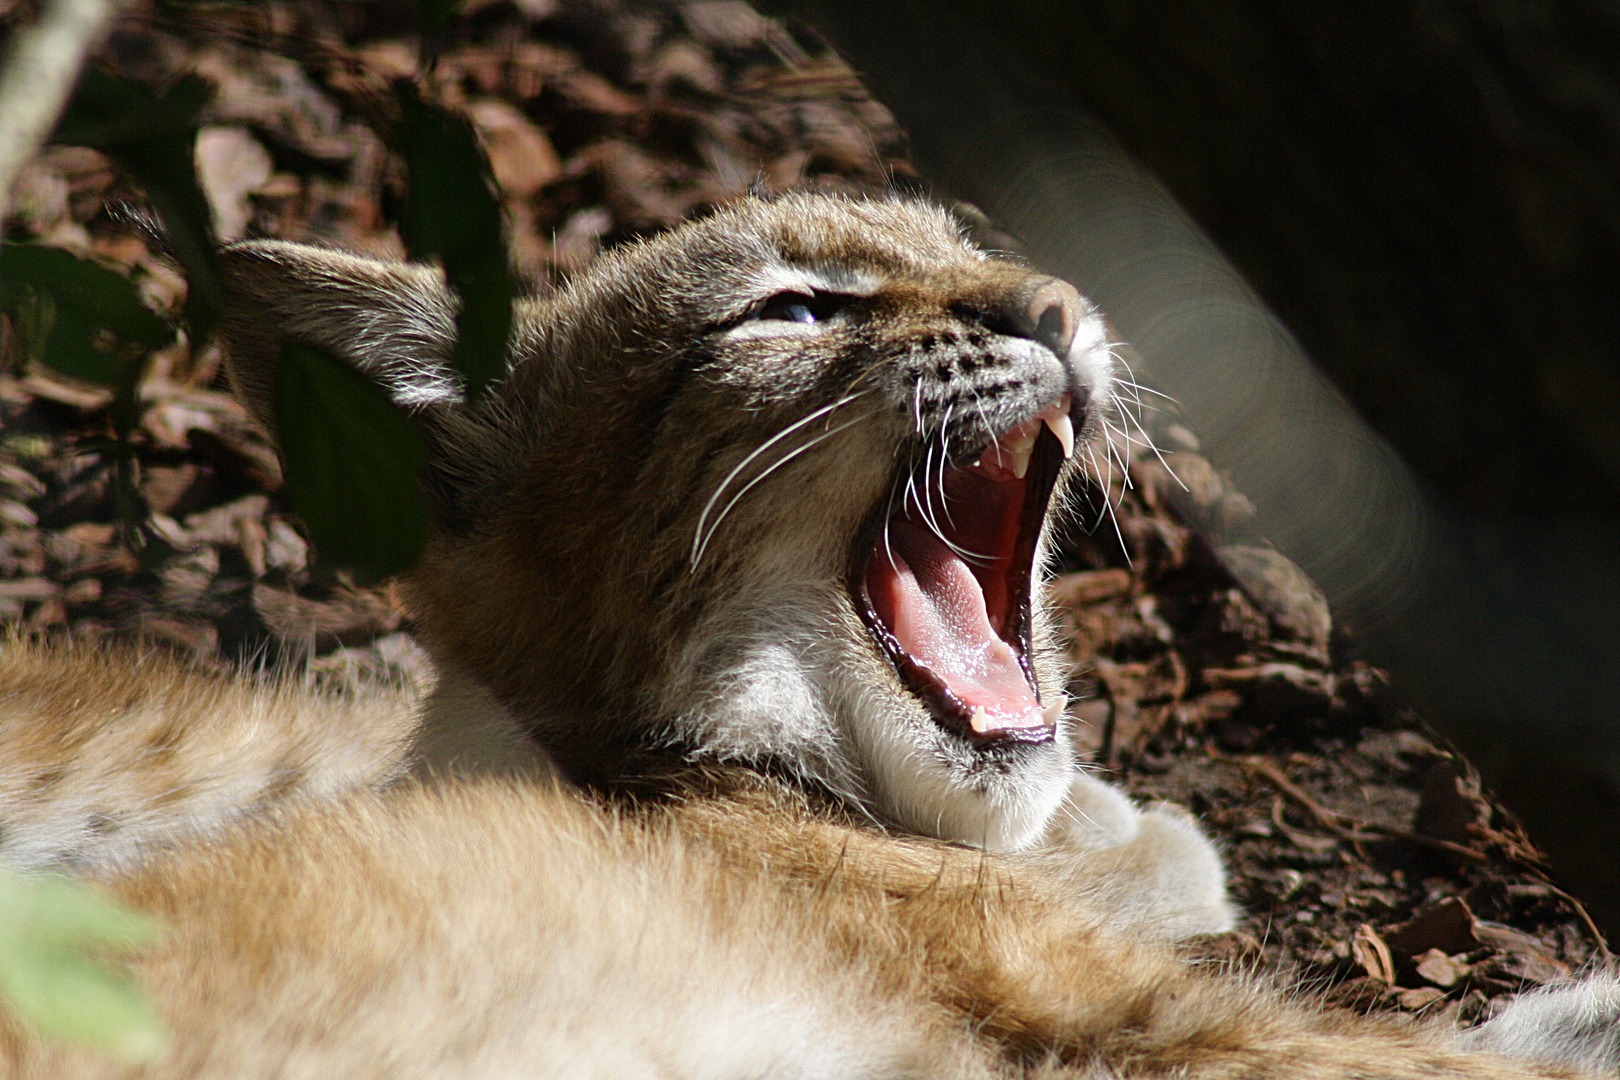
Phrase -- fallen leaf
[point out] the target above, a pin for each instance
(1372, 953)
(231, 165)
(520, 155)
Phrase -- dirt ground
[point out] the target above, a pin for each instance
(1370, 864)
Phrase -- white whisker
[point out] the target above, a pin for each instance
(1105, 483)
(1116, 454)
(888, 516)
(697, 556)
(1151, 445)
(925, 505)
(720, 490)
(945, 461)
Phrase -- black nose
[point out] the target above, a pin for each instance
(1047, 310)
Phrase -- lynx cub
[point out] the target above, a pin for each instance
(747, 755)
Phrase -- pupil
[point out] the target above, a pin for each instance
(799, 313)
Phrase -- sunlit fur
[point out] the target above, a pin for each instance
(105, 753)
(576, 583)
(742, 899)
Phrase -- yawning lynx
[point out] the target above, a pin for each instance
(747, 755)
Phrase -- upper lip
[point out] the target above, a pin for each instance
(1017, 470)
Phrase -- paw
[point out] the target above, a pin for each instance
(1153, 870)
(1094, 815)
(1575, 1024)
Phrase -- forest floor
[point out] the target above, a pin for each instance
(1368, 861)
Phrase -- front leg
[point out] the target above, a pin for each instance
(1152, 871)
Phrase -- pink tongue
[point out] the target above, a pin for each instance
(933, 605)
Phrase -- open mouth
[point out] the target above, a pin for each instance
(947, 585)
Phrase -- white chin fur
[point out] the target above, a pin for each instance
(925, 780)
(998, 811)
(781, 700)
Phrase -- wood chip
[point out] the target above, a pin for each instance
(1421, 998)
(353, 618)
(75, 395)
(30, 588)
(1372, 953)
(1447, 926)
(1440, 969)
(1089, 587)
(84, 591)
(15, 513)
(191, 634)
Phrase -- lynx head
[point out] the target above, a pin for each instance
(773, 487)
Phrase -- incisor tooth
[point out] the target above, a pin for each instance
(1063, 428)
(1019, 448)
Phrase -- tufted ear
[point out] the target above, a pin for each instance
(392, 321)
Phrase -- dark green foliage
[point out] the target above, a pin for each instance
(153, 137)
(65, 302)
(352, 458)
(437, 16)
(451, 215)
(351, 455)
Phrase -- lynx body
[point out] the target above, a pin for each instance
(747, 755)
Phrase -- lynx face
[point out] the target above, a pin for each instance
(773, 487)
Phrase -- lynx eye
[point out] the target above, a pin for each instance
(800, 307)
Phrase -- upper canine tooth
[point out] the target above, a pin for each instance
(1053, 712)
(1056, 418)
(1063, 428)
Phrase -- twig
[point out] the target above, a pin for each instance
(1581, 913)
(1349, 827)
(1344, 825)
(38, 74)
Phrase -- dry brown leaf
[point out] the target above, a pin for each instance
(1372, 953)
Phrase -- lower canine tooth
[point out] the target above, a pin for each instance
(979, 720)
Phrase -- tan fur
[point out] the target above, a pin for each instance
(490, 930)
(740, 896)
(103, 754)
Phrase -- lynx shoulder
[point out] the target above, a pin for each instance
(747, 754)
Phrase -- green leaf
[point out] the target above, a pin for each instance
(72, 299)
(351, 458)
(55, 935)
(437, 15)
(106, 296)
(451, 214)
(153, 137)
(70, 349)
